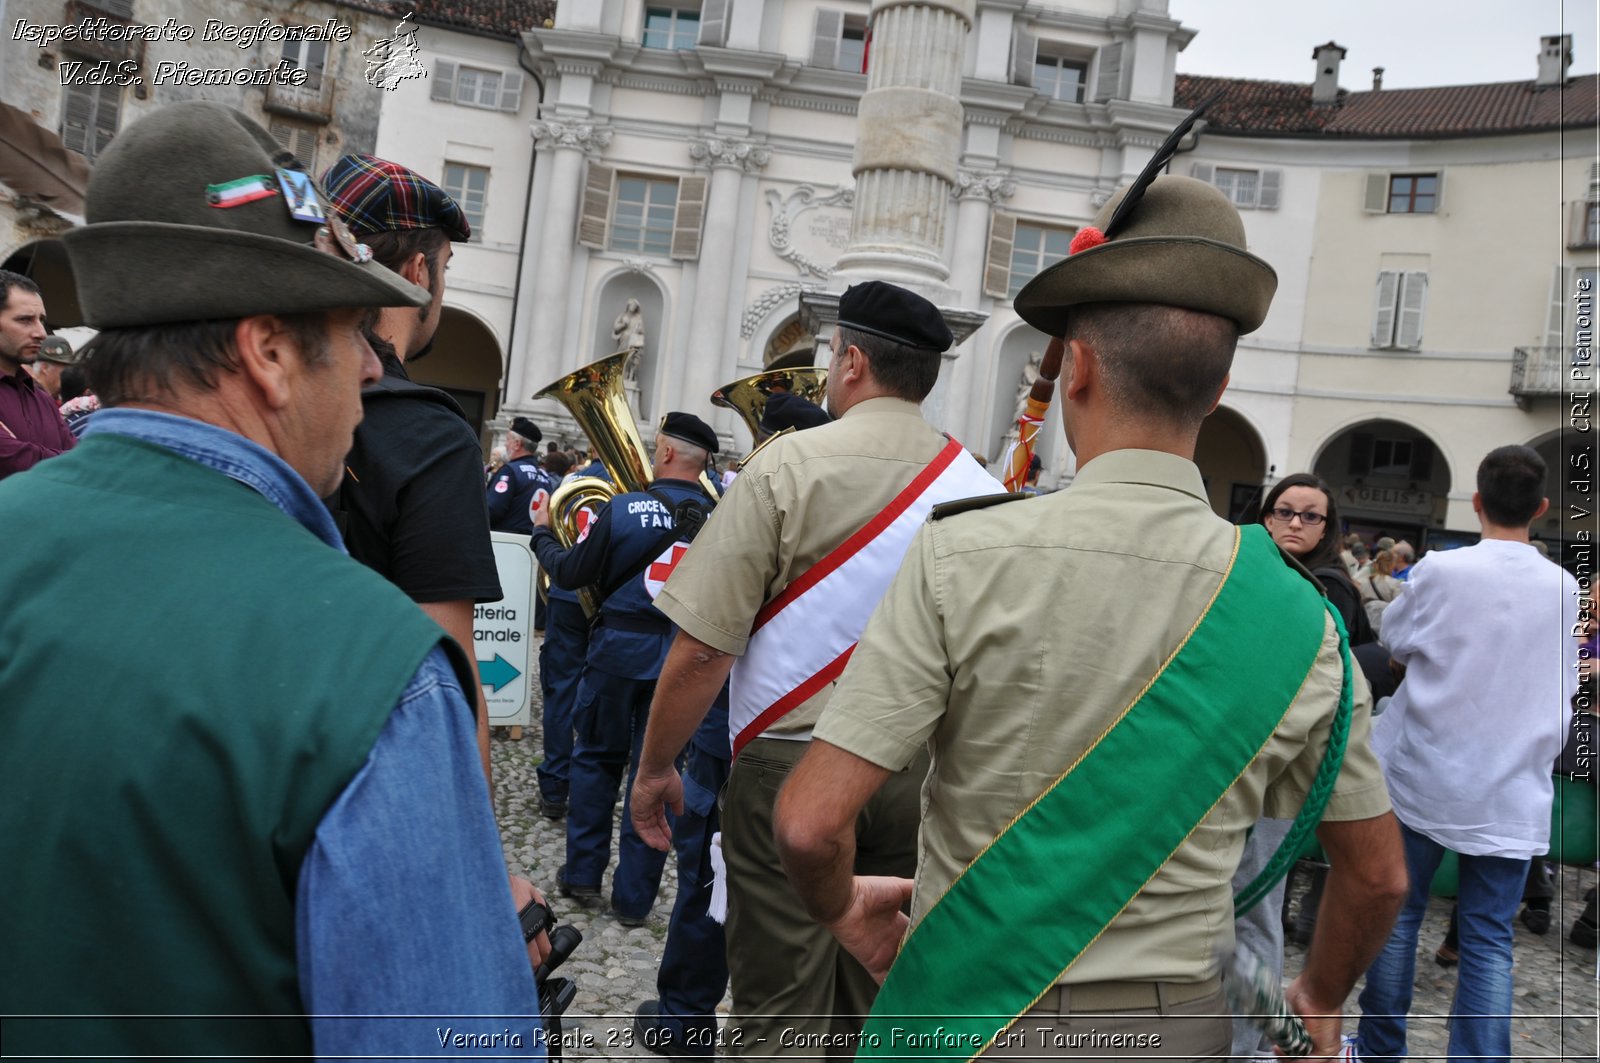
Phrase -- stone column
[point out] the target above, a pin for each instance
(709, 361)
(562, 145)
(908, 138)
(977, 193)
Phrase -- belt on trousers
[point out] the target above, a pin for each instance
(1127, 996)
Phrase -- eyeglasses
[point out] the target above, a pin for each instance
(1308, 518)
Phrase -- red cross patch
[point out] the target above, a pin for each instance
(540, 497)
(655, 577)
(584, 518)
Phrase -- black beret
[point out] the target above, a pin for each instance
(527, 429)
(895, 314)
(786, 410)
(690, 429)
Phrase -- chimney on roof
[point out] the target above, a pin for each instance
(1555, 56)
(1326, 88)
(1377, 78)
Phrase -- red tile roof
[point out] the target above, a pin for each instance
(1284, 108)
(495, 18)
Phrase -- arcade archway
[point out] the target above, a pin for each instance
(1233, 463)
(466, 362)
(1390, 479)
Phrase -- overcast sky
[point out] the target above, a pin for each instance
(1417, 42)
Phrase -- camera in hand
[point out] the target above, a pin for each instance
(555, 994)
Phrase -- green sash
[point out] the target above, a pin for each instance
(1022, 912)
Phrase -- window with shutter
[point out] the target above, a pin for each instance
(1413, 193)
(714, 23)
(852, 57)
(596, 213)
(444, 82)
(299, 141)
(1108, 78)
(826, 33)
(1024, 51)
(511, 92)
(1359, 462)
(1413, 303)
(1383, 311)
(310, 56)
(1556, 316)
(1035, 248)
(1059, 77)
(469, 186)
(671, 28)
(89, 116)
(1202, 171)
(997, 268)
(690, 217)
(1267, 194)
(1375, 194)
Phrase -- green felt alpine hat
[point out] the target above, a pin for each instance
(195, 213)
(1182, 245)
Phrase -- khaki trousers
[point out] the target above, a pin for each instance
(792, 983)
(1123, 1020)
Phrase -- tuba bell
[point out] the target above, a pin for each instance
(748, 396)
(595, 397)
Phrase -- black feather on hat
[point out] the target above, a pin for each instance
(1170, 241)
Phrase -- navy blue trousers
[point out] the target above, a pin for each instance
(609, 722)
(694, 965)
(561, 657)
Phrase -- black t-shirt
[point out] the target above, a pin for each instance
(411, 505)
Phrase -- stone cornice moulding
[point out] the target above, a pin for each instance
(738, 63)
(992, 186)
(557, 44)
(668, 85)
(588, 137)
(719, 152)
(805, 102)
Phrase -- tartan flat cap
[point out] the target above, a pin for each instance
(374, 195)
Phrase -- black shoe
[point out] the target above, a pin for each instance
(663, 1039)
(551, 808)
(1536, 919)
(1447, 956)
(586, 896)
(628, 920)
(1587, 929)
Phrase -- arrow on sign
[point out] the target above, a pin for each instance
(497, 673)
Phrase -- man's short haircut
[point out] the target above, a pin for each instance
(558, 462)
(1160, 363)
(905, 372)
(1404, 551)
(527, 444)
(688, 453)
(147, 362)
(74, 382)
(1511, 485)
(10, 280)
(396, 246)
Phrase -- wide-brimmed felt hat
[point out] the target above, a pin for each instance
(1182, 245)
(56, 349)
(196, 213)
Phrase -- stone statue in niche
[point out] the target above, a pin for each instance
(1030, 373)
(628, 331)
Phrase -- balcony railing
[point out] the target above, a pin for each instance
(312, 101)
(1538, 373)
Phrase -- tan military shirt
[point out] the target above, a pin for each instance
(789, 507)
(1011, 638)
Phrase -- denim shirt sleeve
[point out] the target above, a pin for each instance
(405, 933)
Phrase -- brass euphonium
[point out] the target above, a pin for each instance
(748, 396)
(595, 398)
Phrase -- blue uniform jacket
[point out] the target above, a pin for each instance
(513, 492)
(631, 637)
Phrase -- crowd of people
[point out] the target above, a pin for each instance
(945, 770)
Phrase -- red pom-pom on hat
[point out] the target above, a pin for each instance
(1086, 237)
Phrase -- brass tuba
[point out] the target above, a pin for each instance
(595, 398)
(748, 396)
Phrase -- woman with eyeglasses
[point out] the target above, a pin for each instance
(1302, 518)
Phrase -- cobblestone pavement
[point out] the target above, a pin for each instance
(614, 968)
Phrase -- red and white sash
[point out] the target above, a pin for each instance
(803, 638)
